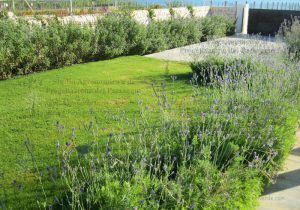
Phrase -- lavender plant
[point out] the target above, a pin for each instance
(290, 31)
(214, 150)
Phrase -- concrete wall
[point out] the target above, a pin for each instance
(142, 16)
(230, 12)
(201, 11)
(267, 22)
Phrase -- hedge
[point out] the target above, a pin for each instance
(27, 48)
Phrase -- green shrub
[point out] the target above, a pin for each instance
(172, 12)
(291, 33)
(3, 14)
(80, 42)
(156, 37)
(216, 26)
(67, 44)
(15, 47)
(191, 10)
(27, 47)
(151, 14)
(119, 34)
(182, 32)
(215, 68)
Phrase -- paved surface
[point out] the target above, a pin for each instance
(234, 46)
(285, 193)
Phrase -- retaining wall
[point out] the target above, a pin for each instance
(142, 16)
(230, 12)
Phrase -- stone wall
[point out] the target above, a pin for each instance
(142, 16)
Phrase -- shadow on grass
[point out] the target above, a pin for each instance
(183, 77)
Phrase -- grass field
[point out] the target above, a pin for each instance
(50, 120)
(31, 105)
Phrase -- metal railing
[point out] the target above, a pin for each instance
(91, 5)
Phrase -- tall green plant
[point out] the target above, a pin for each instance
(119, 34)
(290, 31)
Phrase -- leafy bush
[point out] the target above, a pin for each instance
(217, 26)
(15, 48)
(215, 67)
(290, 30)
(3, 14)
(67, 44)
(119, 34)
(156, 37)
(27, 47)
(182, 32)
(191, 10)
(151, 14)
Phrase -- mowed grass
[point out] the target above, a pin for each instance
(30, 107)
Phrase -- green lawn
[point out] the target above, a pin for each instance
(31, 105)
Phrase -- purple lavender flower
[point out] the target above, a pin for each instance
(108, 150)
(192, 206)
(73, 131)
(274, 153)
(54, 172)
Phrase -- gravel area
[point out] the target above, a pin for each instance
(234, 46)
